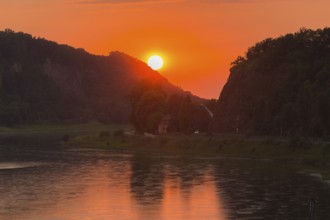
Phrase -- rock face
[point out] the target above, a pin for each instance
(42, 80)
(281, 87)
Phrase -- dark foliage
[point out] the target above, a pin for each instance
(281, 87)
(44, 81)
(148, 101)
(150, 104)
(119, 132)
(65, 138)
(103, 134)
(187, 116)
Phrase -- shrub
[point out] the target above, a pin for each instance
(163, 140)
(104, 134)
(119, 132)
(65, 137)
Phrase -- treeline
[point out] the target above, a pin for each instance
(281, 87)
(150, 104)
(41, 81)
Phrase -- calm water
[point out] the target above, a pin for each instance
(41, 180)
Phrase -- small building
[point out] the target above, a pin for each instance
(164, 124)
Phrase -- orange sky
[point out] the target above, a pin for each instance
(198, 38)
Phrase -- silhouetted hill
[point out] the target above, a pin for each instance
(281, 87)
(42, 80)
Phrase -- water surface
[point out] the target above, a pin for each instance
(40, 179)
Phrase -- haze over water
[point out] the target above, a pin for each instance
(41, 180)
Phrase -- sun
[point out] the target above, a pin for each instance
(155, 62)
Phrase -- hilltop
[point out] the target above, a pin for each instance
(41, 80)
(281, 87)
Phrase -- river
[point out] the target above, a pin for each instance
(40, 179)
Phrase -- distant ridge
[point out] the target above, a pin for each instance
(41, 80)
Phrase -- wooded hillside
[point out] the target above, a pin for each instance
(281, 87)
(41, 80)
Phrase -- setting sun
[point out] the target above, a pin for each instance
(155, 62)
(165, 109)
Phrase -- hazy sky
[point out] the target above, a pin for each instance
(198, 38)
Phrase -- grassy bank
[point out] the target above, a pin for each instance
(60, 129)
(309, 151)
(310, 155)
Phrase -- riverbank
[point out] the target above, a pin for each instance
(312, 155)
(309, 153)
(69, 129)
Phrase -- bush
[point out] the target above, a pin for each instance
(163, 140)
(300, 142)
(104, 134)
(65, 137)
(119, 132)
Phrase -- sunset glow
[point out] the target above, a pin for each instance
(201, 38)
(141, 109)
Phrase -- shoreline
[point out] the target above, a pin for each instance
(71, 129)
(307, 154)
(310, 155)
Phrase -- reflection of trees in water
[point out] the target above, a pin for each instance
(148, 176)
(149, 173)
(147, 179)
(256, 189)
(189, 173)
